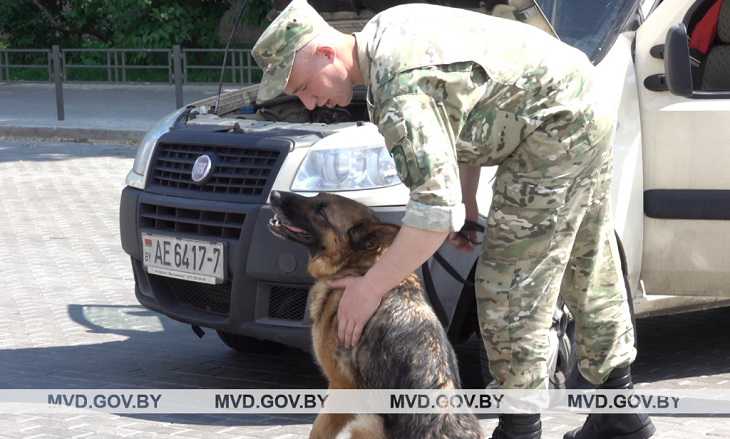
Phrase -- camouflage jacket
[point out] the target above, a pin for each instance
(449, 86)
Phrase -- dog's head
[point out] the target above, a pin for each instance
(340, 233)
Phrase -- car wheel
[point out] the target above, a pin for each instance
(250, 345)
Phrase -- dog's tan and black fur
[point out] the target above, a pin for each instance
(403, 346)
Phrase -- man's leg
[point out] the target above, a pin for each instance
(518, 282)
(541, 195)
(594, 290)
(593, 287)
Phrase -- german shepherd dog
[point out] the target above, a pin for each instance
(403, 346)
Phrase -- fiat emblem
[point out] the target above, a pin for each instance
(201, 168)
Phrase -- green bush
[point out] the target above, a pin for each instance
(111, 23)
(101, 24)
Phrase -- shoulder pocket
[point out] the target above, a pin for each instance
(406, 162)
(419, 137)
(410, 171)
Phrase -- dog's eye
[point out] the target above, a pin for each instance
(320, 209)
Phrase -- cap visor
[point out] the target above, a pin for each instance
(272, 85)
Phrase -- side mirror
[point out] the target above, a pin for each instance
(677, 67)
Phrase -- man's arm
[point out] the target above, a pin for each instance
(410, 249)
(419, 137)
(469, 176)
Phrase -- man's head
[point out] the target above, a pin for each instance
(302, 55)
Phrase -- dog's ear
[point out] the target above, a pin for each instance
(358, 235)
(369, 235)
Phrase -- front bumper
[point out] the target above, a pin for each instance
(265, 293)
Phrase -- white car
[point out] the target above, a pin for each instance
(195, 211)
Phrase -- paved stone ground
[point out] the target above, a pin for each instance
(69, 319)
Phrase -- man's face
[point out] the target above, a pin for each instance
(319, 79)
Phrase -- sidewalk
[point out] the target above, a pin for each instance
(94, 112)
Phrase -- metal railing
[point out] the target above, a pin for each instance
(116, 65)
(177, 65)
(240, 60)
(119, 62)
(5, 64)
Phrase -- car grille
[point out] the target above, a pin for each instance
(237, 171)
(204, 223)
(210, 298)
(287, 303)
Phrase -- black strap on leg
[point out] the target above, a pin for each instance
(438, 307)
(451, 270)
(464, 320)
(433, 297)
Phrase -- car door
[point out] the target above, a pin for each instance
(686, 148)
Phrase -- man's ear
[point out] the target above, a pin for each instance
(326, 51)
(524, 11)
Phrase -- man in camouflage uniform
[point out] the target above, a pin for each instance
(451, 91)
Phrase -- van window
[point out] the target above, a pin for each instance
(588, 25)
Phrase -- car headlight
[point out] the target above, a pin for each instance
(352, 159)
(147, 145)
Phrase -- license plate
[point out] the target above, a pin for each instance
(188, 259)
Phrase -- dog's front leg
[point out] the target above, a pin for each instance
(328, 425)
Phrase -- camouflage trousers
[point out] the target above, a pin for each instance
(550, 233)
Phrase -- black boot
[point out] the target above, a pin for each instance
(518, 427)
(615, 425)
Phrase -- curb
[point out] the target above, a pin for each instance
(78, 135)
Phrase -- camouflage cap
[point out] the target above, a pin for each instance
(274, 51)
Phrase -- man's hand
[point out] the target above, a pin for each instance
(357, 305)
(457, 238)
(458, 241)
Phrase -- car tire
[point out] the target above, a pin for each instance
(250, 345)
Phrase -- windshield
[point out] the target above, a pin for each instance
(591, 26)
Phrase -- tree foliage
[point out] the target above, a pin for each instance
(114, 23)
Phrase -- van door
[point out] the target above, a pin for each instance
(686, 147)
